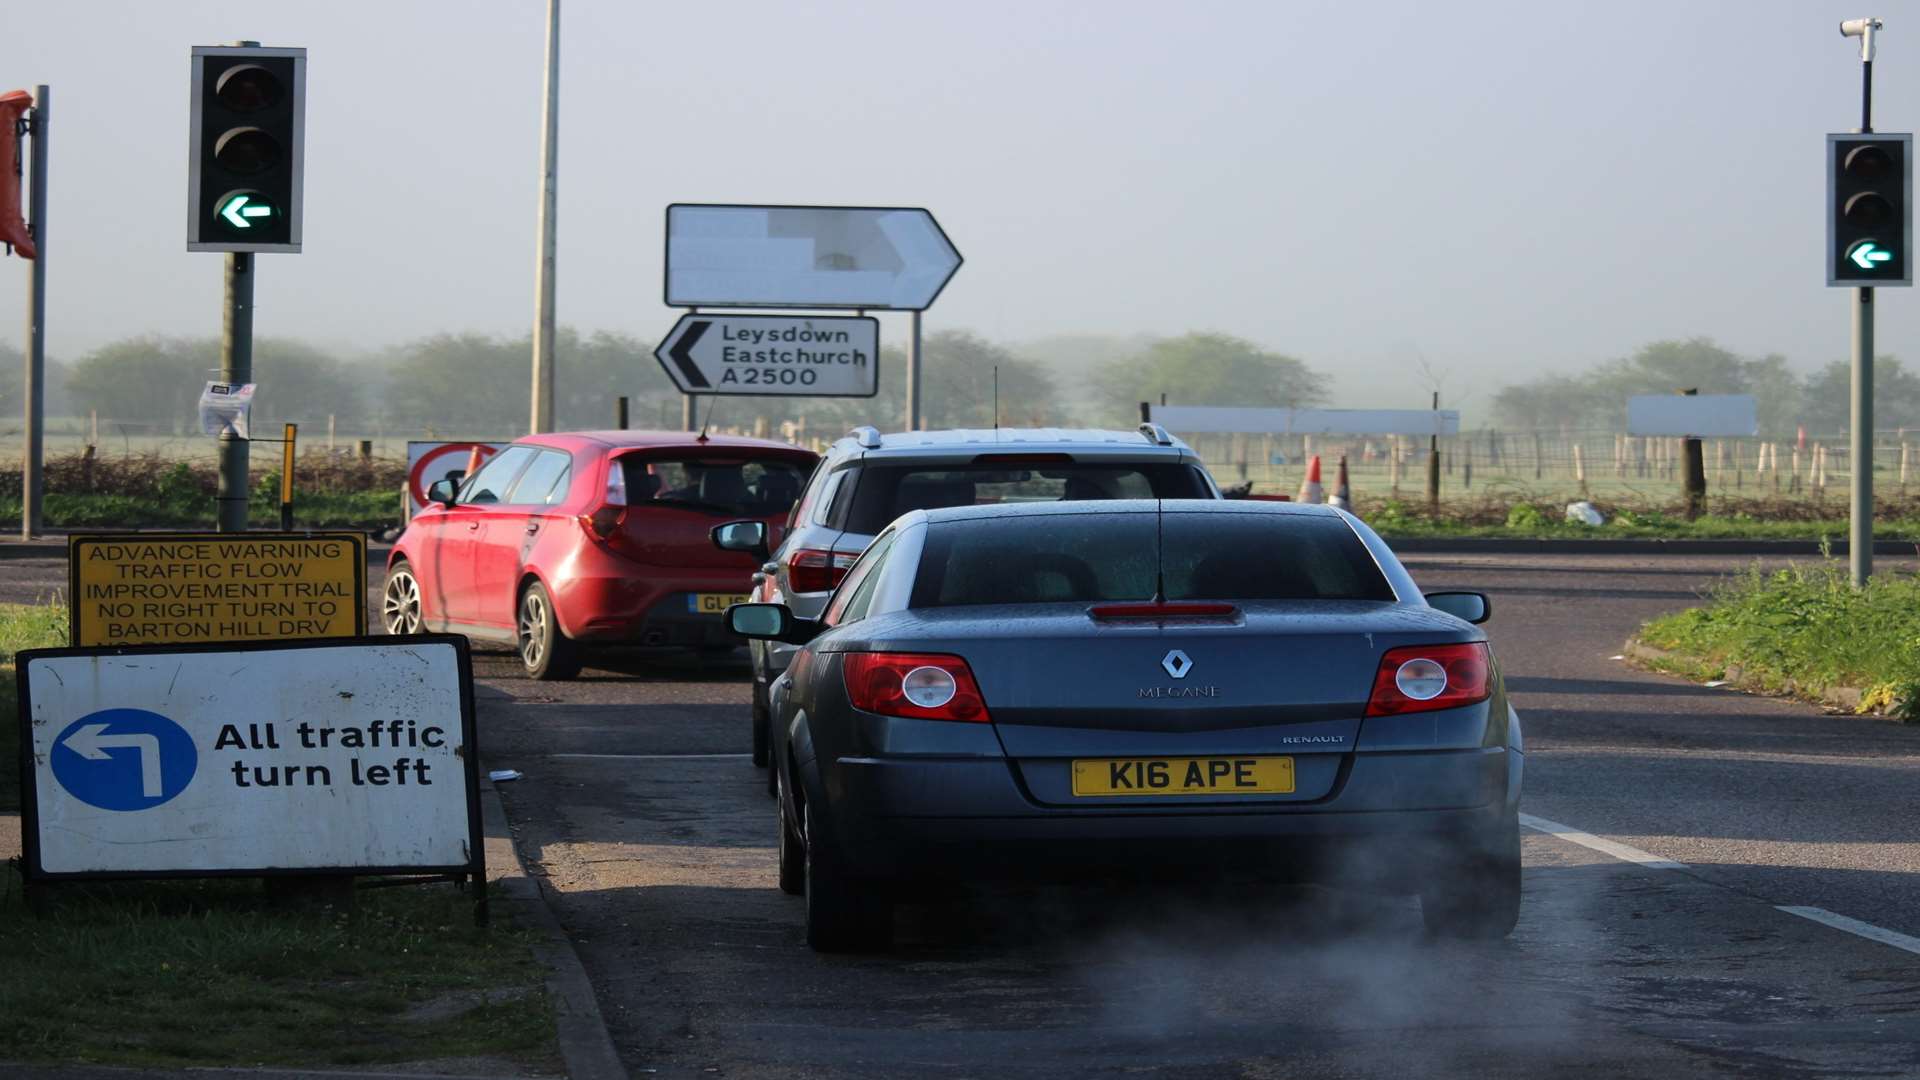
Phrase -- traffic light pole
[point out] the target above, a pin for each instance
(236, 368)
(1860, 411)
(32, 476)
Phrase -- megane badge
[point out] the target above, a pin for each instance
(1177, 664)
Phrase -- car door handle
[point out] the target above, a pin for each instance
(533, 526)
(472, 525)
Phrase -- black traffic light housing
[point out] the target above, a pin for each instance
(247, 148)
(1869, 209)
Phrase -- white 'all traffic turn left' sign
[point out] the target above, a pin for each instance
(784, 355)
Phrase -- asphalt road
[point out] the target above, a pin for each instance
(655, 841)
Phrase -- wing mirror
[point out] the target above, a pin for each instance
(747, 536)
(1472, 607)
(442, 492)
(771, 622)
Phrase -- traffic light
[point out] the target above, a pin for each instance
(248, 126)
(1869, 209)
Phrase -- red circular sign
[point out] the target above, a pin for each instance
(423, 468)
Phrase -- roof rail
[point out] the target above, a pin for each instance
(1156, 434)
(867, 436)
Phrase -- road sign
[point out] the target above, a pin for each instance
(1869, 208)
(786, 355)
(1693, 415)
(429, 461)
(246, 148)
(155, 588)
(351, 755)
(1252, 420)
(875, 258)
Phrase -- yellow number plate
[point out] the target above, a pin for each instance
(1184, 776)
(713, 603)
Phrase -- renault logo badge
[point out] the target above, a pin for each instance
(1177, 664)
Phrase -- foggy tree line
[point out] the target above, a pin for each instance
(1596, 399)
(473, 384)
(476, 384)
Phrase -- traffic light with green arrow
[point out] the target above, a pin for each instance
(245, 155)
(1869, 209)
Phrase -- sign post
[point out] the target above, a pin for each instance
(164, 588)
(782, 355)
(853, 257)
(157, 762)
(32, 476)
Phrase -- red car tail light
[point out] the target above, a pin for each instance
(1420, 678)
(918, 686)
(1178, 609)
(604, 524)
(817, 570)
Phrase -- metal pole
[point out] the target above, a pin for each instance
(620, 412)
(913, 373)
(1860, 416)
(236, 368)
(543, 324)
(32, 478)
(689, 412)
(1433, 460)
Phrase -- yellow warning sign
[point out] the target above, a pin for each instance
(166, 588)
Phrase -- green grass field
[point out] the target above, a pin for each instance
(1805, 628)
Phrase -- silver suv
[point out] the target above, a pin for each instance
(867, 479)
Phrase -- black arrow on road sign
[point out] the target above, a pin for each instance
(682, 353)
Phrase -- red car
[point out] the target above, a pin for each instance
(564, 540)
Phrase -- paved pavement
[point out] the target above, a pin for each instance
(655, 841)
(1652, 942)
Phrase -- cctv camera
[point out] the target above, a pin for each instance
(1858, 27)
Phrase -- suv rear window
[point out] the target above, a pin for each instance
(744, 488)
(1089, 558)
(884, 492)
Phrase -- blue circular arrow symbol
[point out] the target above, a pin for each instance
(124, 759)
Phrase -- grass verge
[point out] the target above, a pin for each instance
(22, 626)
(318, 510)
(208, 973)
(1805, 629)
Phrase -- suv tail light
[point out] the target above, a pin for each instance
(818, 570)
(918, 686)
(1420, 678)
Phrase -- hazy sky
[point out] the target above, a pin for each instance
(1503, 188)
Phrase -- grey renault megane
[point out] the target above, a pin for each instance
(1042, 691)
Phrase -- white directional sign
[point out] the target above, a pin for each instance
(789, 355)
(1698, 415)
(353, 755)
(806, 256)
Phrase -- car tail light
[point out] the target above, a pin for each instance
(818, 570)
(604, 524)
(1177, 609)
(1420, 678)
(918, 686)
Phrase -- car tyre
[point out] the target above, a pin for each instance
(1479, 898)
(400, 600)
(760, 722)
(545, 651)
(793, 857)
(844, 914)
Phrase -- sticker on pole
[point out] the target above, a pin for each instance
(161, 588)
(224, 409)
(353, 755)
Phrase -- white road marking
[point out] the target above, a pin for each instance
(1855, 927)
(648, 757)
(1648, 859)
(1600, 844)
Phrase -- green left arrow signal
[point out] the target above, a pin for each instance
(241, 207)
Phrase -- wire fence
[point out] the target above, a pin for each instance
(1575, 464)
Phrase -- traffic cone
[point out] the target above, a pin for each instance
(1342, 498)
(1311, 491)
